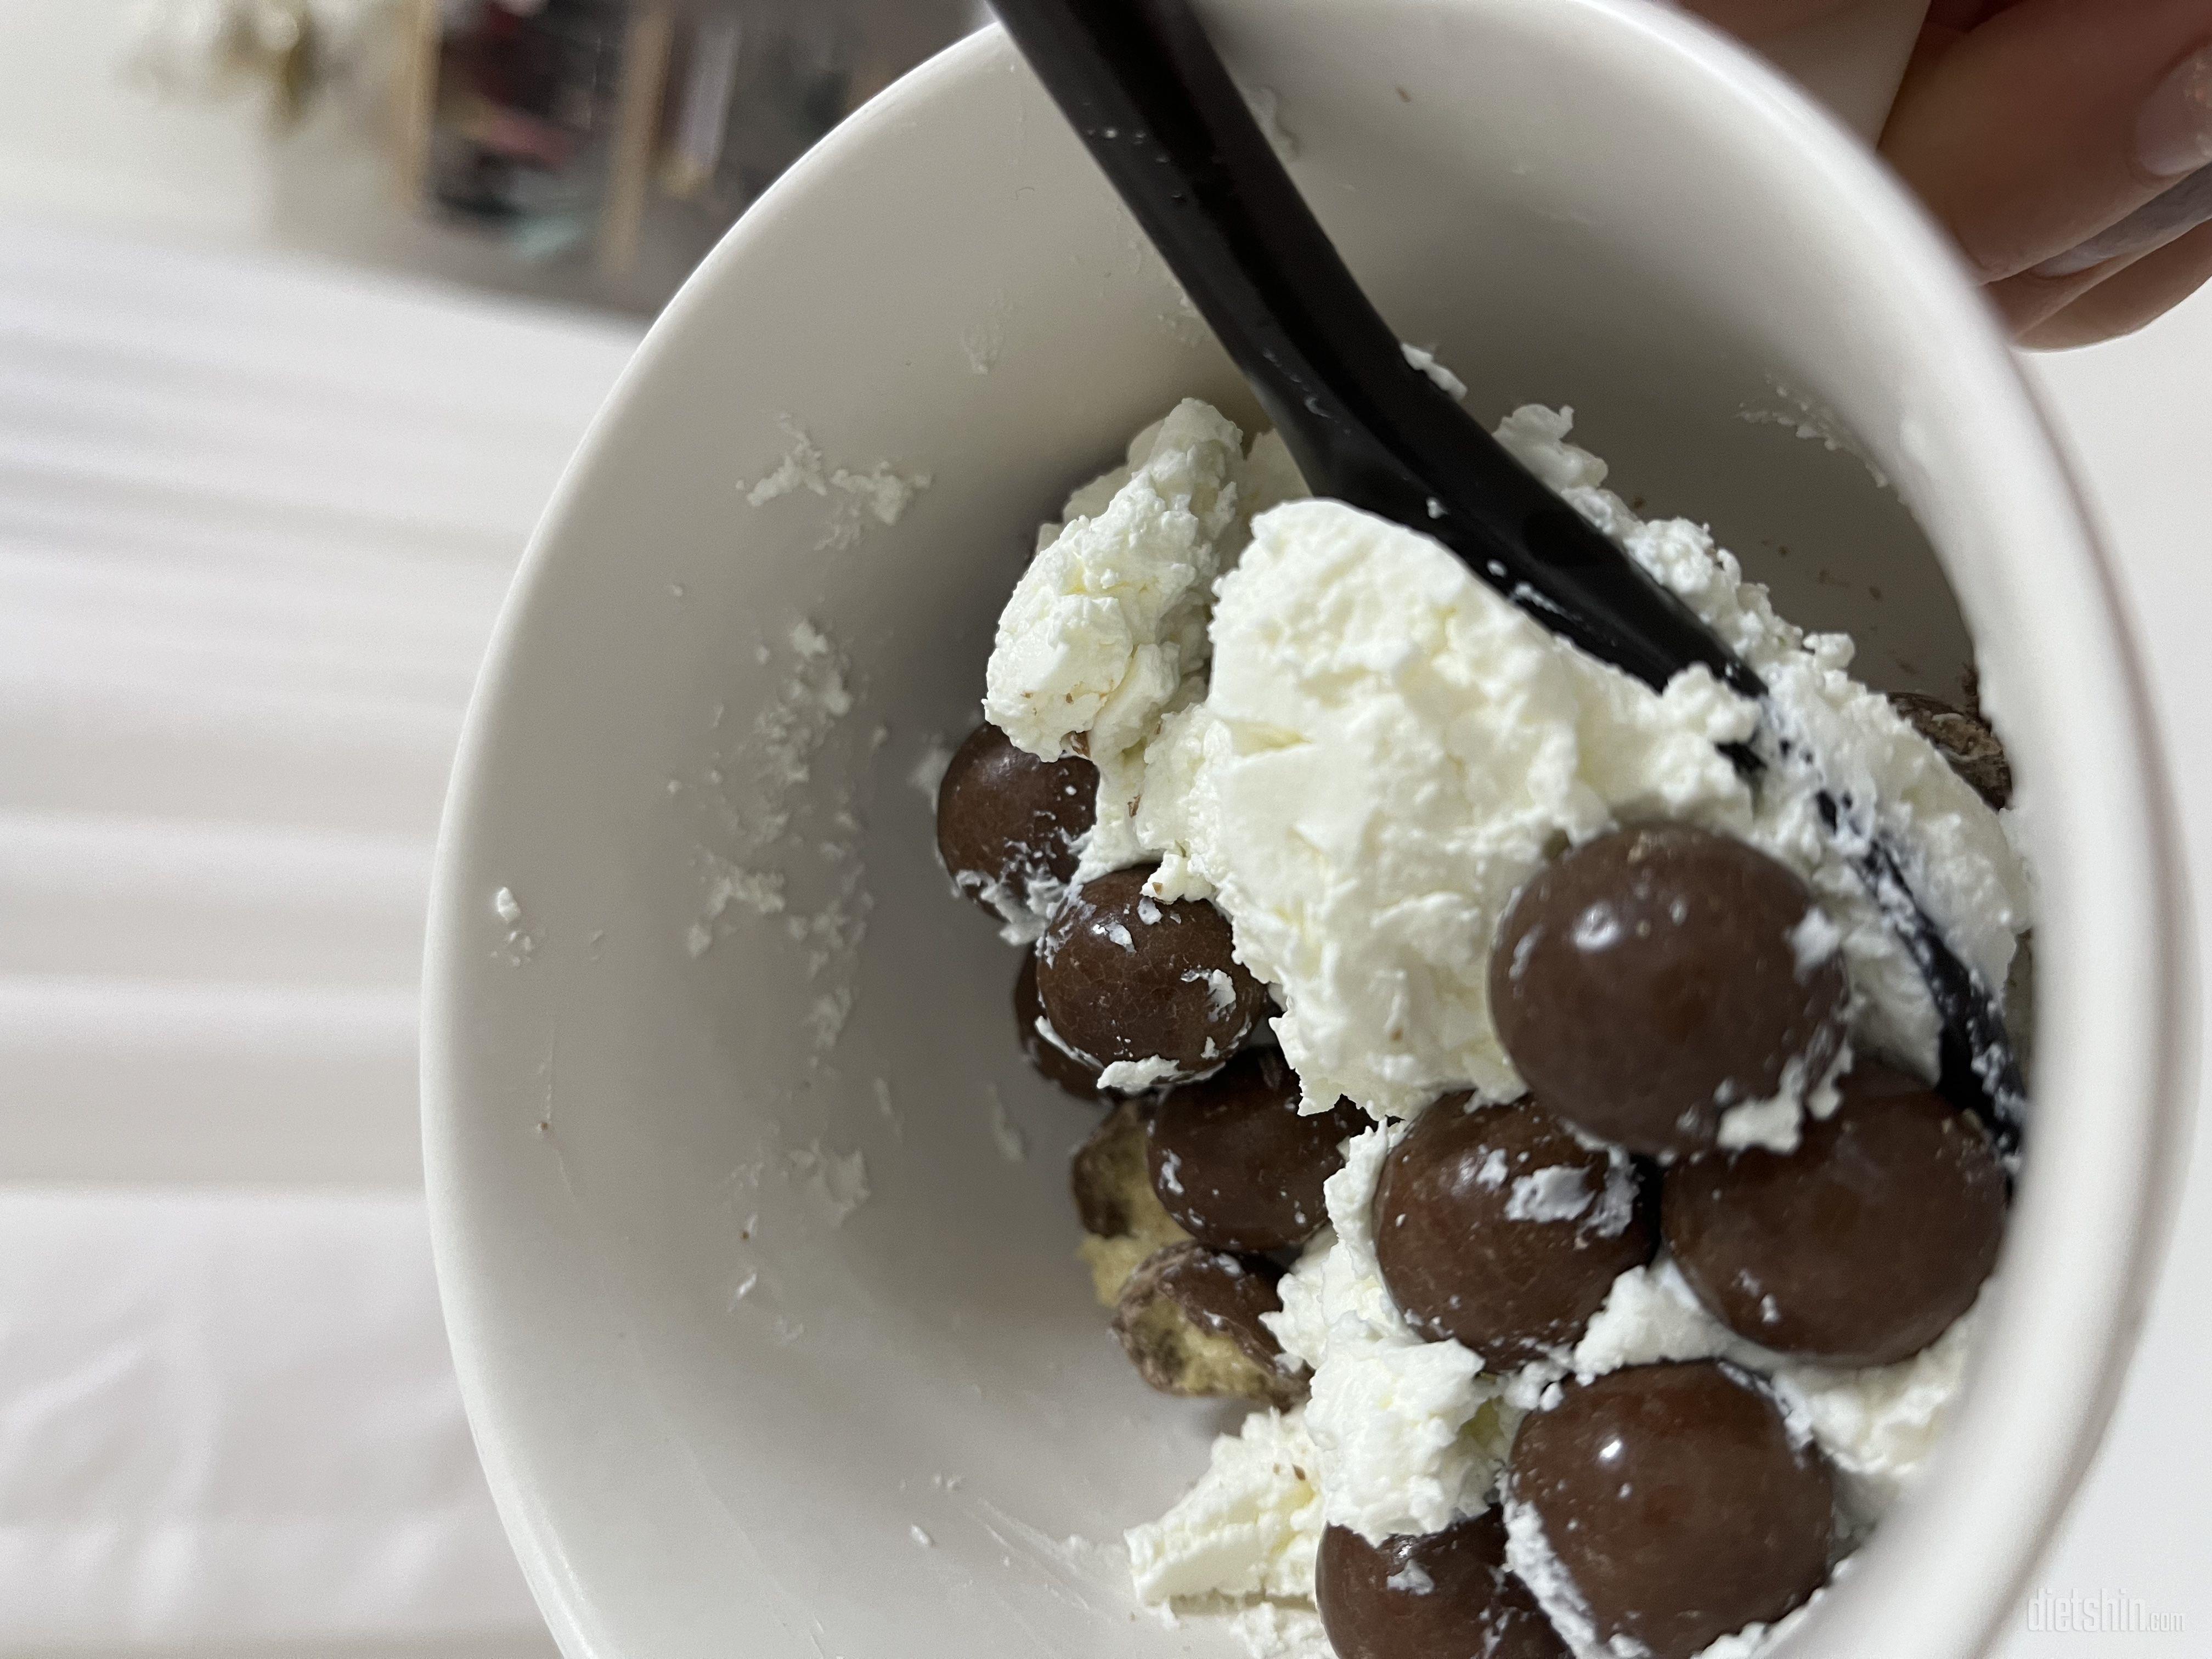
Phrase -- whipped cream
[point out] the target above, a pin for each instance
(1108, 623)
(1249, 1528)
(1361, 752)
(1877, 1423)
(1408, 1434)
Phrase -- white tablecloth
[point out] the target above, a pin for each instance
(231, 1419)
(254, 522)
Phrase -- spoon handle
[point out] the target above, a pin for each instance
(1144, 88)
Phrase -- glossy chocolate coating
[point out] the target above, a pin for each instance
(1127, 976)
(1186, 1289)
(1443, 1595)
(1858, 1248)
(1673, 1498)
(1645, 980)
(1236, 1165)
(1965, 740)
(1055, 1063)
(1006, 820)
(1462, 1244)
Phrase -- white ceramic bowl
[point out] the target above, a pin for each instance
(715, 1415)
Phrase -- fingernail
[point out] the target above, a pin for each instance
(2156, 223)
(2075, 261)
(2174, 133)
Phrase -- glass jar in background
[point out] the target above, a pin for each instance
(605, 145)
(526, 94)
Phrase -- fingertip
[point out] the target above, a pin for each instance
(2133, 294)
(2027, 300)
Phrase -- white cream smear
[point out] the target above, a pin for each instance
(1360, 752)
(1324, 723)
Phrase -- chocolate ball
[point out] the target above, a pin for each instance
(1675, 1500)
(1007, 821)
(1858, 1248)
(1189, 1320)
(1646, 980)
(1444, 1595)
(1236, 1165)
(1054, 1062)
(1125, 976)
(1495, 1226)
(1966, 741)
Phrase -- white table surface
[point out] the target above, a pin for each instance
(256, 517)
(255, 521)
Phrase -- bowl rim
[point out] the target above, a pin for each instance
(2113, 1268)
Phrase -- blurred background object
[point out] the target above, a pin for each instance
(641, 130)
(583, 150)
(213, 49)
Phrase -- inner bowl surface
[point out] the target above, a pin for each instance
(751, 1219)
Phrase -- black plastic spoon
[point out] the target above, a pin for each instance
(1143, 87)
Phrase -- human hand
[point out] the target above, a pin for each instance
(2066, 145)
